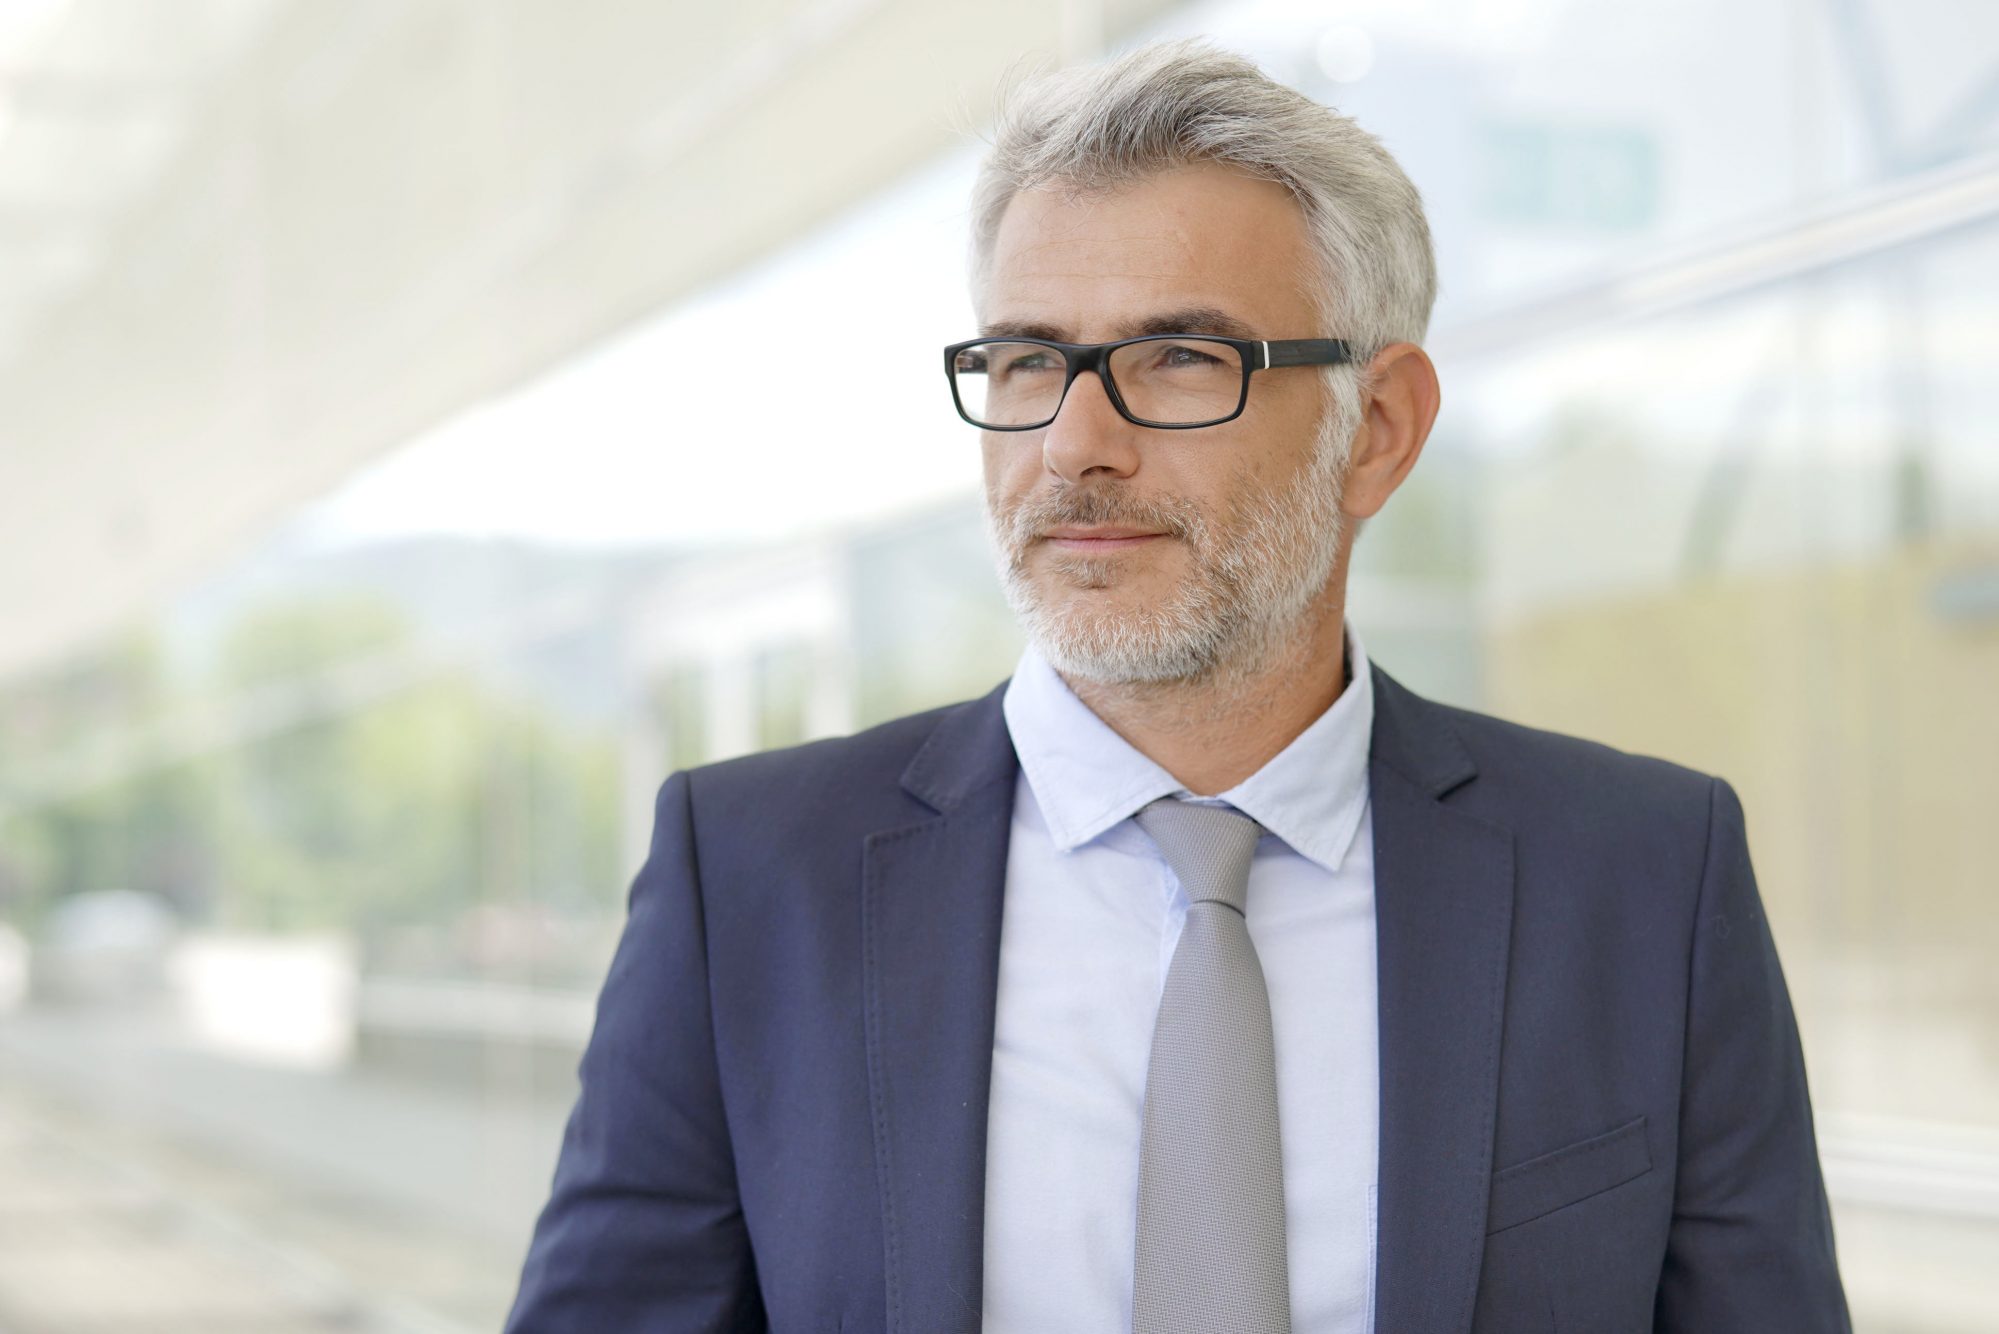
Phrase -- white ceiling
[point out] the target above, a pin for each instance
(246, 245)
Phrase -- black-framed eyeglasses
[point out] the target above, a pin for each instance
(1175, 382)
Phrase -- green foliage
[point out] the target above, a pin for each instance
(360, 789)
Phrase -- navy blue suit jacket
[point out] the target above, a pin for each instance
(1594, 1116)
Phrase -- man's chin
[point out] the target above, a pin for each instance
(1055, 572)
(1059, 574)
(1093, 608)
(1087, 654)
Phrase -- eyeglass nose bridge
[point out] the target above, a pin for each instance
(1096, 357)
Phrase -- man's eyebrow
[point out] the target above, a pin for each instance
(1193, 319)
(1022, 329)
(1189, 320)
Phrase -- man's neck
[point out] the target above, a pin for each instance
(1212, 734)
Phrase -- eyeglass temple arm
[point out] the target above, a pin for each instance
(1305, 352)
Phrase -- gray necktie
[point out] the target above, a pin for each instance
(1210, 1256)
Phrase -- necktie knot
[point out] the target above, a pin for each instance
(1208, 847)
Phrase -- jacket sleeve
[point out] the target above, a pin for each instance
(1751, 1244)
(643, 1229)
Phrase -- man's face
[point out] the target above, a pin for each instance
(1139, 554)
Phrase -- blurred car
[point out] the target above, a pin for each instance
(13, 968)
(103, 946)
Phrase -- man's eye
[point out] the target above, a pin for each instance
(1030, 361)
(1177, 354)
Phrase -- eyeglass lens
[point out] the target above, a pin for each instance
(1181, 381)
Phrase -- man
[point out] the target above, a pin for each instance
(1201, 977)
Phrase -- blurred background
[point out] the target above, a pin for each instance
(411, 451)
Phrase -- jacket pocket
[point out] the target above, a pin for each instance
(1541, 1185)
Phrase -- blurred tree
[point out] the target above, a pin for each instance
(373, 792)
(106, 835)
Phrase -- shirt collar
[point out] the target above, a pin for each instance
(1086, 778)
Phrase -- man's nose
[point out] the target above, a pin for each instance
(1088, 434)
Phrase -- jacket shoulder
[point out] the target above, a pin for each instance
(1506, 743)
(861, 767)
(799, 813)
(1596, 829)
(1532, 777)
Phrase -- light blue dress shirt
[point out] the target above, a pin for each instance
(1091, 917)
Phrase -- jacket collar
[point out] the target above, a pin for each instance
(967, 753)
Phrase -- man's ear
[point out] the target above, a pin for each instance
(1400, 401)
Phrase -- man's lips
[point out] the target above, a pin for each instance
(1099, 539)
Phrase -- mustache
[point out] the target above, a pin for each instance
(1092, 506)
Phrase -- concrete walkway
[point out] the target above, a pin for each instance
(148, 1187)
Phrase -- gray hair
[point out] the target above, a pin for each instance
(1172, 103)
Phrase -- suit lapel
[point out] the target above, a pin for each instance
(931, 899)
(1443, 914)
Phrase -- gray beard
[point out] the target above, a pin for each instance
(1254, 576)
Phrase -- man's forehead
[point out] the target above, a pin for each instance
(1192, 249)
(1147, 229)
